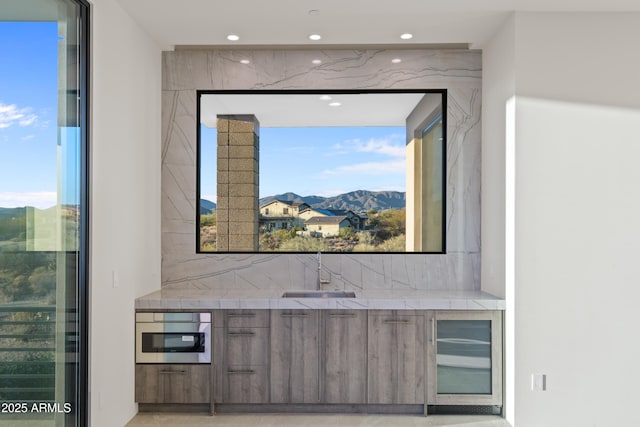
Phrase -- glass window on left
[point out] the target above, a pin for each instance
(43, 212)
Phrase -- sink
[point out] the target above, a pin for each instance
(319, 294)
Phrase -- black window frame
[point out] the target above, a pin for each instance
(199, 93)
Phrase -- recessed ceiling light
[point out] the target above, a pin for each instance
(316, 62)
(245, 61)
(314, 12)
(325, 98)
(406, 36)
(335, 104)
(396, 60)
(233, 38)
(315, 37)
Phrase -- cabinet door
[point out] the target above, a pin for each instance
(173, 383)
(396, 358)
(344, 371)
(465, 358)
(294, 356)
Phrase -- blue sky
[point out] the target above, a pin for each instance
(308, 161)
(28, 114)
(320, 161)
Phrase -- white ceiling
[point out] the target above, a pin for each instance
(308, 110)
(341, 22)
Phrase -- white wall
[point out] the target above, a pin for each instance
(125, 202)
(498, 86)
(498, 89)
(577, 237)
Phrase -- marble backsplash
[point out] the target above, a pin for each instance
(185, 71)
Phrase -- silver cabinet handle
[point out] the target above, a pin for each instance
(241, 314)
(173, 372)
(240, 334)
(241, 372)
(294, 315)
(433, 331)
(342, 315)
(397, 322)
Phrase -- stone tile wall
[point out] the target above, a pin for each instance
(186, 71)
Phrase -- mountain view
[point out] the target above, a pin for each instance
(206, 206)
(356, 201)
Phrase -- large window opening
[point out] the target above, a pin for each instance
(321, 171)
(43, 212)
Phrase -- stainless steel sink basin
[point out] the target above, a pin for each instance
(319, 294)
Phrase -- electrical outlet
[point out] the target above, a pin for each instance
(538, 382)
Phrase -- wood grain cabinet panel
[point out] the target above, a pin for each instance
(246, 384)
(294, 356)
(396, 358)
(247, 346)
(247, 319)
(173, 383)
(245, 372)
(344, 371)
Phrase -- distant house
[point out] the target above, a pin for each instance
(281, 214)
(284, 214)
(312, 212)
(326, 226)
(358, 221)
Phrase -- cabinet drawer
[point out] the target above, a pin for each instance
(247, 346)
(246, 384)
(247, 318)
(173, 383)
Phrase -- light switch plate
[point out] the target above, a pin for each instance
(115, 278)
(538, 382)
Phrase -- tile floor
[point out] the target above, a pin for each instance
(290, 420)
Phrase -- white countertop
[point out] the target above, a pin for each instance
(183, 298)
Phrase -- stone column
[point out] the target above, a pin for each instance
(238, 167)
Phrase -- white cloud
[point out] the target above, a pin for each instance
(38, 199)
(10, 114)
(369, 168)
(28, 120)
(382, 146)
(391, 146)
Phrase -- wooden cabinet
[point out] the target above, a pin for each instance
(332, 357)
(465, 358)
(344, 350)
(396, 357)
(173, 383)
(294, 356)
(245, 371)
